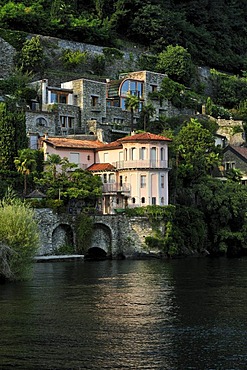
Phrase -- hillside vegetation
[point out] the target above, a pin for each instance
(213, 31)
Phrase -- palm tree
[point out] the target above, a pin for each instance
(147, 112)
(25, 163)
(132, 103)
(53, 160)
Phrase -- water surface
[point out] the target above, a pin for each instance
(183, 314)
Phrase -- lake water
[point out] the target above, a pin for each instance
(181, 314)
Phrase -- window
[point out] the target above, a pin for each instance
(105, 157)
(94, 101)
(143, 200)
(59, 97)
(153, 88)
(125, 154)
(132, 154)
(105, 178)
(33, 142)
(41, 122)
(153, 201)
(229, 165)
(66, 122)
(162, 181)
(143, 181)
(111, 178)
(74, 158)
(133, 200)
(162, 200)
(142, 153)
(162, 157)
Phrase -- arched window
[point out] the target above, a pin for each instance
(133, 200)
(162, 200)
(162, 157)
(143, 200)
(41, 121)
(132, 154)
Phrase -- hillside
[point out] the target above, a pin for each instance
(213, 31)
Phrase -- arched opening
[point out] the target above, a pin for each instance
(62, 239)
(95, 254)
(101, 239)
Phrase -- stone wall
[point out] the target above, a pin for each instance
(115, 234)
(7, 54)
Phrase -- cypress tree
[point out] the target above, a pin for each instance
(12, 134)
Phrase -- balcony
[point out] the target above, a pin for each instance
(113, 188)
(143, 164)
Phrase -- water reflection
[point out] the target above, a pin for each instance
(188, 314)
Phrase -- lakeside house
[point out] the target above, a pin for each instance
(87, 106)
(134, 169)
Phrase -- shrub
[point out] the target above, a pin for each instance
(72, 59)
(19, 239)
(112, 53)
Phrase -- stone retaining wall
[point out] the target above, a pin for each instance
(115, 234)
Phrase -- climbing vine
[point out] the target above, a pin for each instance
(84, 228)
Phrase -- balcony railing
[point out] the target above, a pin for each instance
(116, 188)
(141, 164)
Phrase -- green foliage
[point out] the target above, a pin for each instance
(66, 249)
(19, 232)
(224, 205)
(178, 95)
(25, 163)
(31, 57)
(98, 64)
(176, 62)
(213, 33)
(16, 88)
(61, 181)
(147, 61)
(112, 54)
(73, 59)
(12, 134)
(196, 152)
(14, 38)
(228, 90)
(84, 229)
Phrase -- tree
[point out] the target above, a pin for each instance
(132, 103)
(176, 62)
(19, 239)
(12, 134)
(61, 180)
(147, 112)
(25, 164)
(31, 57)
(195, 152)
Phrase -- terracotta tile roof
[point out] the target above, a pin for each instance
(101, 167)
(73, 143)
(112, 145)
(144, 136)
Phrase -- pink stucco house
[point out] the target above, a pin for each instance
(134, 169)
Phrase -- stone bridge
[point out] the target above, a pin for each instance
(114, 235)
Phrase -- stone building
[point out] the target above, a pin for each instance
(86, 106)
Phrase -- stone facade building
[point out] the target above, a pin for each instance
(86, 106)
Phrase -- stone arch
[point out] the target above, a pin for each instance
(101, 239)
(41, 121)
(62, 235)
